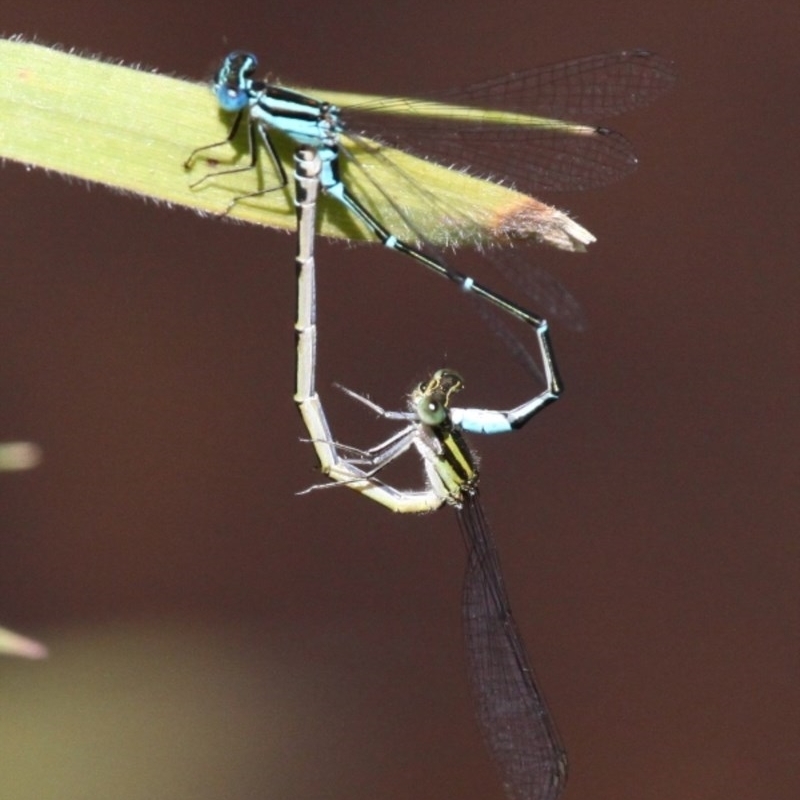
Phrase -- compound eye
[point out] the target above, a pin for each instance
(431, 412)
(231, 99)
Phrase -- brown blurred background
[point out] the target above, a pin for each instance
(213, 635)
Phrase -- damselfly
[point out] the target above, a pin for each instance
(516, 724)
(531, 136)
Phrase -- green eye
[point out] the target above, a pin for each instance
(430, 412)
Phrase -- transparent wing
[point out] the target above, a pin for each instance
(380, 184)
(550, 297)
(559, 147)
(517, 727)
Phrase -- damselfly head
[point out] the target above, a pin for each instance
(234, 79)
(431, 399)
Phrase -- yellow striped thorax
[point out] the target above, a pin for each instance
(452, 470)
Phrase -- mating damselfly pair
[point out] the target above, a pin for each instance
(536, 136)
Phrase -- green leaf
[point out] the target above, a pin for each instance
(133, 130)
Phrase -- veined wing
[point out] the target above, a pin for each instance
(537, 129)
(385, 187)
(516, 724)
